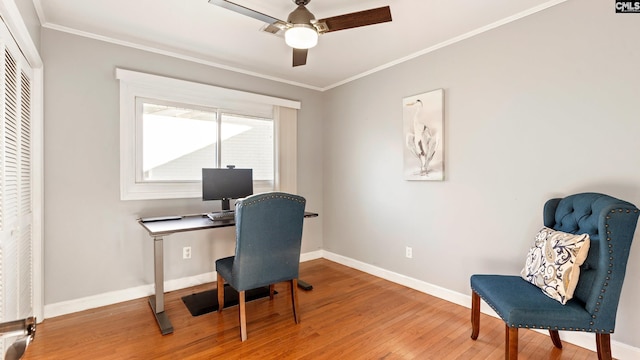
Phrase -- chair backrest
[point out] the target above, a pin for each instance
(268, 239)
(611, 224)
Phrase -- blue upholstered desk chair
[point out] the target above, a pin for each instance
(268, 237)
(610, 224)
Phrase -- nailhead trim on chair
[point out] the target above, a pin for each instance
(273, 196)
(598, 304)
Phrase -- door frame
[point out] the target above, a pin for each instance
(15, 23)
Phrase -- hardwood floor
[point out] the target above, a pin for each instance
(348, 315)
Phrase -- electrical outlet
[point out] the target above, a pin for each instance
(408, 252)
(186, 252)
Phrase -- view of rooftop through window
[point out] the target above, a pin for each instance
(179, 141)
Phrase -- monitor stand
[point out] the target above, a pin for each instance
(225, 205)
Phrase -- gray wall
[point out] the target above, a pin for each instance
(543, 107)
(93, 244)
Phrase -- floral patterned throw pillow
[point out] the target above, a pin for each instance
(553, 263)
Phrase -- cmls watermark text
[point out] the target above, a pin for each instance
(627, 6)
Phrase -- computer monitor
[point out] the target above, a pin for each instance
(226, 184)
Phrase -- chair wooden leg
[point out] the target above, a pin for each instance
(603, 344)
(271, 291)
(294, 300)
(220, 285)
(511, 343)
(475, 315)
(555, 338)
(243, 316)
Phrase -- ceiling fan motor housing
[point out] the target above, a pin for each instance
(300, 16)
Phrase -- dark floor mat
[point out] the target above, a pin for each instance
(207, 301)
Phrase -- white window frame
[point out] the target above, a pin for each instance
(141, 85)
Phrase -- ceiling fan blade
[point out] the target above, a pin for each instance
(277, 28)
(353, 20)
(300, 57)
(245, 11)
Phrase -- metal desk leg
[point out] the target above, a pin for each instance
(157, 301)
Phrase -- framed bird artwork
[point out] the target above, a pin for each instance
(423, 125)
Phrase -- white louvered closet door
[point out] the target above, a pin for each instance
(16, 259)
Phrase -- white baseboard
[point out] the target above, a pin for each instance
(113, 297)
(620, 350)
(91, 302)
(312, 255)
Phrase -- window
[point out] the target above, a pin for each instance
(177, 141)
(171, 129)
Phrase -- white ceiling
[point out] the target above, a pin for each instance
(199, 31)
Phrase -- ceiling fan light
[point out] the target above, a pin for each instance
(301, 36)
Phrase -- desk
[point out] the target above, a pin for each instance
(157, 230)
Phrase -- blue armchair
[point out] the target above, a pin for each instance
(268, 239)
(611, 224)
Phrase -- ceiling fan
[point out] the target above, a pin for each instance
(301, 29)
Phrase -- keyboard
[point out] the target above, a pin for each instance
(160, 218)
(221, 216)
